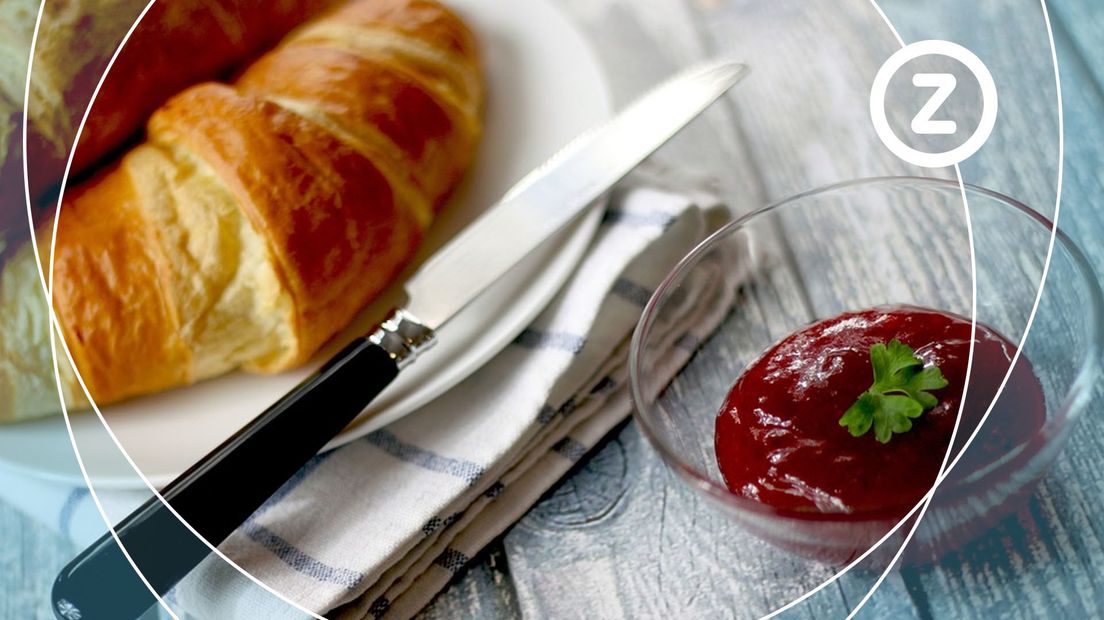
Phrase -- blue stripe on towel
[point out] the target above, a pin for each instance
(570, 449)
(300, 561)
(606, 385)
(437, 523)
(494, 490)
(467, 471)
(568, 408)
(631, 292)
(535, 339)
(379, 607)
(547, 413)
(68, 509)
(451, 560)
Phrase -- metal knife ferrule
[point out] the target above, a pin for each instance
(221, 491)
(403, 336)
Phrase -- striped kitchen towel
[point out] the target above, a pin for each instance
(378, 527)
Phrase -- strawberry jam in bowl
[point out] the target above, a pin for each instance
(896, 376)
(812, 367)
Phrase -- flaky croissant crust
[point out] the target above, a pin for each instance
(260, 216)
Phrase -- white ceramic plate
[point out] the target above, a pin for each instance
(544, 87)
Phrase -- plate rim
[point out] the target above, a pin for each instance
(584, 229)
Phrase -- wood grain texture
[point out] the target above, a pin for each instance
(1009, 36)
(622, 537)
(1080, 28)
(483, 591)
(1009, 573)
(659, 551)
(646, 548)
(1042, 561)
(1047, 559)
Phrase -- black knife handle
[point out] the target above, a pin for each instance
(222, 490)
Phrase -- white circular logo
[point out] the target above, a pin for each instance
(944, 83)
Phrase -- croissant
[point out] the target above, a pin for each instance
(175, 45)
(258, 217)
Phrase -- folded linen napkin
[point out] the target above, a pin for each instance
(378, 527)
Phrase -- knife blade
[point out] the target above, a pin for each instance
(545, 200)
(165, 540)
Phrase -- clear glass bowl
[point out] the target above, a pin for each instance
(856, 245)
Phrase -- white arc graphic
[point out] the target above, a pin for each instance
(880, 86)
(878, 110)
(57, 340)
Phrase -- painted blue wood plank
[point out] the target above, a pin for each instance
(1043, 560)
(1046, 559)
(1081, 24)
(482, 591)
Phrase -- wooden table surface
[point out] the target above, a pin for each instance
(621, 537)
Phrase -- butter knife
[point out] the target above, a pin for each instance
(166, 540)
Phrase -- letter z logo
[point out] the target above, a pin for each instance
(944, 84)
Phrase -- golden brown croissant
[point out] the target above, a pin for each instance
(176, 44)
(258, 218)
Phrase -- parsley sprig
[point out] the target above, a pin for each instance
(899, 394)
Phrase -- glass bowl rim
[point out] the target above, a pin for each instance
(1073, 400)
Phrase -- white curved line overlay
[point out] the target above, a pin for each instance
(47, 284)
(50, 306)
(945, 471)
(924, 502)
(1030, 319)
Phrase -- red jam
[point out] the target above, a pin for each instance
(778, 438)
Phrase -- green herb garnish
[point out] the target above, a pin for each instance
(899, 394)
